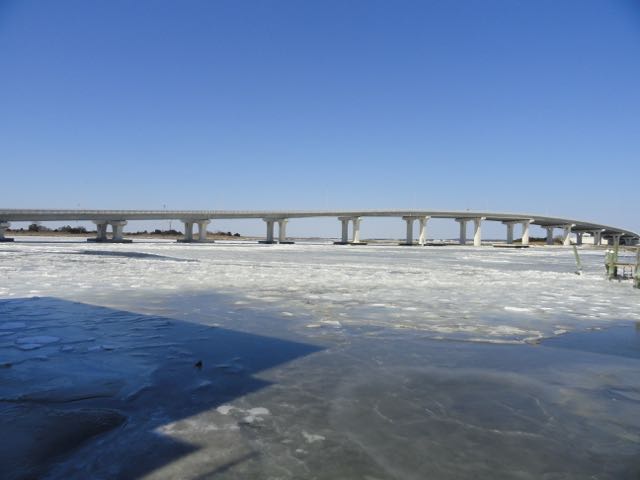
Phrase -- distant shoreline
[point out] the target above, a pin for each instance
(534, 242)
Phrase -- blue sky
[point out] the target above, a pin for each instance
(483, 105)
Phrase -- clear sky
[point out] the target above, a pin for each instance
(506, 105)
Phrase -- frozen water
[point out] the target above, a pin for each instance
(315, 361)
(485, 294)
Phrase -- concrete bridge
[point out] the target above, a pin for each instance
(117, 219)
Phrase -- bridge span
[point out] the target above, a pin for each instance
(117, 219)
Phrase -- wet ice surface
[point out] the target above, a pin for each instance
(316, 361)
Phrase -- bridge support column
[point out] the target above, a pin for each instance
(511, 225)
(549, 235)
(355, 240)
(525, 232)
(117, 227)
(269, 239)
(282, 231)
(116, 231)
(345, 229)
(409, 237)
(566, 235)
(509, 233)
(101, 231)
(3, 228)
(422, 232)
(422, 236)
(578, 238)
(356, 229)
(188, 232)
(597, 237)
(463, 230)
(202, 230)
(477, 231)
(615, 240)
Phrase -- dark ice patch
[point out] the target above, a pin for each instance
(146, 256)
(39, 435)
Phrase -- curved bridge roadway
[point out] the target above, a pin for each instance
(118, 218)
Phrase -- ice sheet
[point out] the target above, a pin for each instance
(488, 295)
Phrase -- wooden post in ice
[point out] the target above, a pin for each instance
(611, 260)
(578, 263)
(636, 273)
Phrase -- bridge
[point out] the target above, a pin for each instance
(117, 219)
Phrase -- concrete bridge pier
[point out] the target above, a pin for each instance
(3, 228)
(566, 234)
(463, 230)
(549, 235)
(355, 223)
(202, 230)
(477, 231)
(597, 237)
(510, 226)
(345, 230)
(269, 237)
(282, 231)
(117, 227)
(525, 231)
(188, 232)
(614, 240)
(422, 233)
(409, 237)
(355, 240)
(101, 231)
(579, 238)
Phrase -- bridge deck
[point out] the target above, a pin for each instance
(16, 215)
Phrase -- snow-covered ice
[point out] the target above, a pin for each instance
(456, 292)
